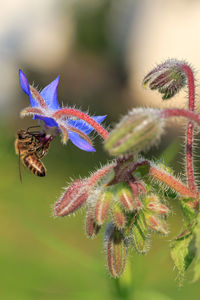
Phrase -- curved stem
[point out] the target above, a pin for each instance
(190, 128)
(179, 112)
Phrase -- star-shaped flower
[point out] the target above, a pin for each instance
(73, 123)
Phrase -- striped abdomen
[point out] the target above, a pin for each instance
(32, 162)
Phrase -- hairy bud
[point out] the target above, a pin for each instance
(116, 250)
(140, 234)
(136, 132)
(91, 227)
(153, 204)
(118, 217)
(73, 198)
(125, 197)
(156, 224)
(102, 207)
(168, 78)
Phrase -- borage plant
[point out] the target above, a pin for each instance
(127, 194)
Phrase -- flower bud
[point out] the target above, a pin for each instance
(125, 197)
(153, 204)
(91, 227)
(140, 234)
(168, 78)
(156, 224)
(73, 198)
(137, 190)
(102, 207)
(118, 217)
(136, 132)
(116, 250)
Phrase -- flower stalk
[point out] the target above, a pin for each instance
(190, 128)
(172, 182)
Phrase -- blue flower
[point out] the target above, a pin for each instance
(45, 104)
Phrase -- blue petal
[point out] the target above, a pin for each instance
(79, 142)
(83, 126)
(48, 121)
(49, 94)
(24, 83)
(26, 88)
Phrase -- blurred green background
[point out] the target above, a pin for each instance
(102, 50)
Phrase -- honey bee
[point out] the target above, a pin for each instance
(31, 147)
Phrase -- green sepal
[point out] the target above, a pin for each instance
(140, 236)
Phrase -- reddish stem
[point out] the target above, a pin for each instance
(99, 174)
(191, 86)
(179, 112)
(172, 182)
(190, 128)
(71, 112)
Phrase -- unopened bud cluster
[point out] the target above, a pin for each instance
(168, 78)
(122, 195)
(129, 211)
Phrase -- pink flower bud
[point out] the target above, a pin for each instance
(153, 204)
(168, 78)
(125, 197)
(140, 234)
(91, 227)
(118, 217)
(102, 207)
(116, 250)
(158, 208)
(156, 224)
(73, 198)
(137, 190)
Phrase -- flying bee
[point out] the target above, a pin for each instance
(31, 147)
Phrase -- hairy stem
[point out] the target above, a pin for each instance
(190, 128)
(179, 112)
(172, 182)
(100, 174)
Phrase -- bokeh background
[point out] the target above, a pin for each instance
(101, 49)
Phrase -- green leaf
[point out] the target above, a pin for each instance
(183, 251)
